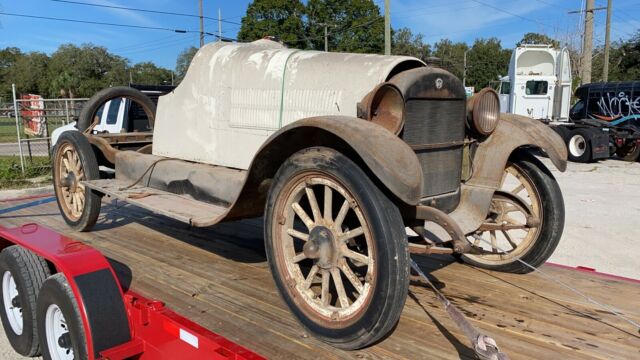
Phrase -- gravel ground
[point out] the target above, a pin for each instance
(601, 201)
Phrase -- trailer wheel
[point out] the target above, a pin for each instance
(525, 221)
(23, 274)
(337, 249)
(62, 335)
(579, 145)
(73, 162)
(629, 153)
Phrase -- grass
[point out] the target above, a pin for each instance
(37, 172)
(8, 128)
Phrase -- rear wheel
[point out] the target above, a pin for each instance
(73, 162)
(337, 249)
(525, 221)
(60, 328)
(579, 145)
(629, 153)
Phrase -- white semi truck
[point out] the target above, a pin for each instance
(539, 86)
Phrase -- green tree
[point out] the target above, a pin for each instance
(82, 71)
(404, 42)
(486, 61)
(624, 60)
(30, 73)
(8, 58)
(148, 73)
(450, 56)
(183, 62)
(282, 19)
(354, 25)
(538, 39)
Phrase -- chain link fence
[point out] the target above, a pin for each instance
(26, 125)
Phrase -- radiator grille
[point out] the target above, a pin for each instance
(429, 122)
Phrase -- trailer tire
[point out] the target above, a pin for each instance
(377, 295)
(23, 272)
(91, 107)
(630, 153)
(66, 180)
(579, 145)
(57, 309)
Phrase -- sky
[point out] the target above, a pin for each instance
(458, 20)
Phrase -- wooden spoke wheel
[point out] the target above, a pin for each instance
(326, 254)
(524, 222)
(74, 162)
(337, 248)
(69, 183)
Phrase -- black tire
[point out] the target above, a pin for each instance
(91, 107)
(630, 153)
(74, 141)
(388, 296)
(29, 272)
(579, 145)
(563, 131)
(57, 292)
(552, 224)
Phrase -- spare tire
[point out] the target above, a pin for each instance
(90, 109)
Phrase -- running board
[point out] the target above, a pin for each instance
(175, 206)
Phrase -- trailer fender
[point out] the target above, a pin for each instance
(387, 157)
(95, 285)
(512, 133)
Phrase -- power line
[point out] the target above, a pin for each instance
(143, 10)
(98, 23)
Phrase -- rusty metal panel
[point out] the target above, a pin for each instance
(235, 96)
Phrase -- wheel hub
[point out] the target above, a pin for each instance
(15, 302)
(64, 341)
(70, 181)
(321, 247)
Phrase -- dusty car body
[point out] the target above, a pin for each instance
(344, 155)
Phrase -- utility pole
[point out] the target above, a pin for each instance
(201, 25)
(587, 46)
(219, 24)
(607, 42)
(387, 28)
(326, 34)
(464, 75)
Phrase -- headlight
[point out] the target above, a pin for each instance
(484, 111)
(385, 107)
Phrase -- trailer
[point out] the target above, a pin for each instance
(596, 127)
(218, 278)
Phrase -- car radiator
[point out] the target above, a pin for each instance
(435, 130)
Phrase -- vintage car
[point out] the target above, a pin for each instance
(355, 161)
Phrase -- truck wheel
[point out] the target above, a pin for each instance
(629, 153)
(525, 221)
(579, 145)
(23, 274)
(60, 327)
(91, 107)
(337, 249)
(73, 162)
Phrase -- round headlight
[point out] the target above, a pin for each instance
(385, 107)
(484, 111)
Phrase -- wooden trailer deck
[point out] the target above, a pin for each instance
(219, 278)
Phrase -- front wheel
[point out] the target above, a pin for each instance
(579, 145)
(337, 249)
(525, 221)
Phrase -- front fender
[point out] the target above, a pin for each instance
(387, 157)
(490, 160)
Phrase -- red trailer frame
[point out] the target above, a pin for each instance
(120, 324)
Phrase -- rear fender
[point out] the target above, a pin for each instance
(512, 133)
(382, 153)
